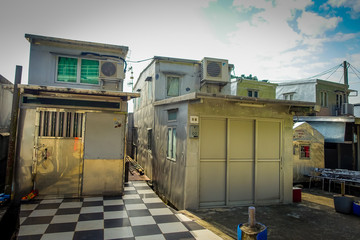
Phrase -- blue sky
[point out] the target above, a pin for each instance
(277, 40)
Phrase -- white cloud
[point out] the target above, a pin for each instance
(271, 49)
(353, 5)
(247, 5)
(314, 25)
(342, 37)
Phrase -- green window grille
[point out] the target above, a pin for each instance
(67, 69)
(89, 71)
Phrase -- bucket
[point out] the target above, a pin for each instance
(343, 204)
(260, 234)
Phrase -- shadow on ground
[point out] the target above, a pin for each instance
(313, 218)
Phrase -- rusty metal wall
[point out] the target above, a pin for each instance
(104, 146)
(6, 98)
(59, 166)
(25, 151)
(104, 136)
(60, 161)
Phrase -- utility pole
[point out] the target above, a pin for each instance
(10, 168)
(346, 81)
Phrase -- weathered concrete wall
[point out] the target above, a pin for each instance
(303, 91)
(189, 74)
(331, 90)
(42, 66)
(265, 90)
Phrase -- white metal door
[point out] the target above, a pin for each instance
(213, 162)
(239, 161)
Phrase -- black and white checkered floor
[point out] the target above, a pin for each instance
(139, 214)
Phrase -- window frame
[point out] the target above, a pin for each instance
(340, 99)
(167, 85)
(150, 92)
(172, 111)
(78, 71)
(254, 93)
(290, 95)
(324, 99)
(149, 139)
(171, 143)
(301, 151)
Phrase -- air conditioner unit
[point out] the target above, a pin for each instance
(215, 70)
(347, 109)
(111, 70)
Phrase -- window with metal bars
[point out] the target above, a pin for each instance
(60, 124)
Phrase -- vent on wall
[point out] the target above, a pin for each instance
(215, 70)
(111, 70)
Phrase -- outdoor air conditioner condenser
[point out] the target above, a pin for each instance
(215, 70)
(111, 70)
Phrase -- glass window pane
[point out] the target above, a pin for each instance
(89, 71)
(172, 115)
(67, 69)
(305, 151)
(172, 86)
(256, 94)
(149, 90)
(169, 142)
(173, 143)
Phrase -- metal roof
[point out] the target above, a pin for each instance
(35, 88)
(61, 42)
(250, 101)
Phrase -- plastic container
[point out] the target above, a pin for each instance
(261, 234)
(296, 194)
(356, 208)
(343, 204)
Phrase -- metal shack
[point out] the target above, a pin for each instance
(308, 151)
(72, 118)
(201, 146)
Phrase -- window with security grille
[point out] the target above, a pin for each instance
(60, 124)
(77, 70)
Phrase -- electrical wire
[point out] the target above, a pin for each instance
(325, 72)
(354, 71)
(333, 72)
(139, 61)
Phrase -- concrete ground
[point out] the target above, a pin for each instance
(313, 218)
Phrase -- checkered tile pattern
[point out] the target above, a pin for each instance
(139, 214)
